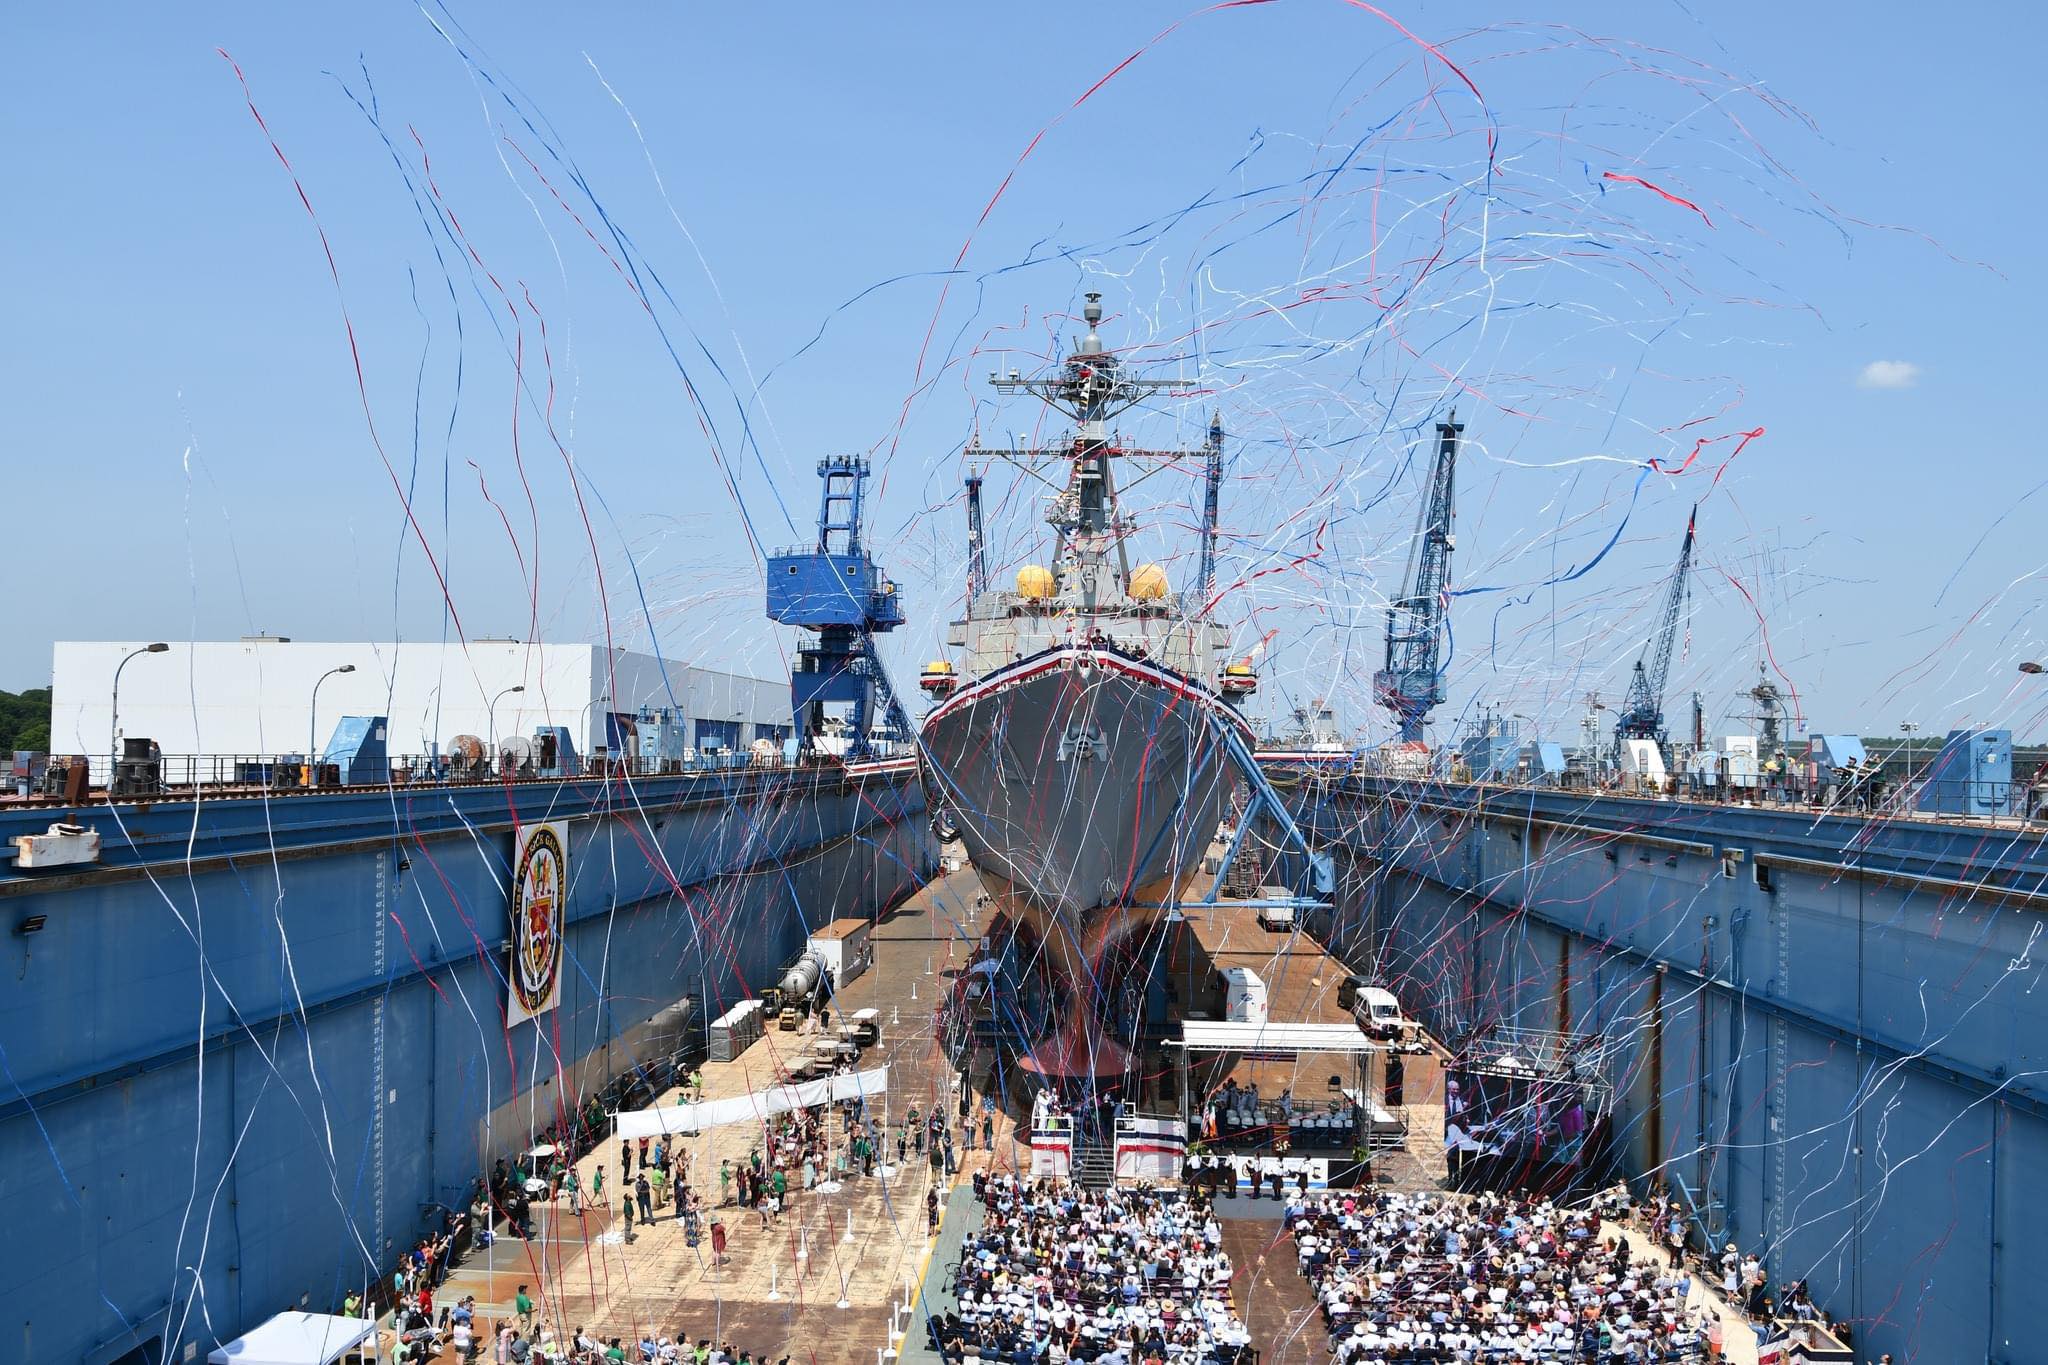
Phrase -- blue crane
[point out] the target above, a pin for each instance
(1212, 488)
(1642, 712)
(977, 552)
(836, 590)
(1412, 683)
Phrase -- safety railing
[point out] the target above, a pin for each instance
(1888, 795)
(170, 775)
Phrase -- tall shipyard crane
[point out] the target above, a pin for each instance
(1642, 712)
(836, 590)
(977, 551)
(1412, 683)
(1212, 489)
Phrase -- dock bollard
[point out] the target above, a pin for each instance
(774, 1294)
(848, 1235)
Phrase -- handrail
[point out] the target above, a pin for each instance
(170, 776)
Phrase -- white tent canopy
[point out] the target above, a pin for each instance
(1205, 1035)
(780, 1099)
(296, 1339)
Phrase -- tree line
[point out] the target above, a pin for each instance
(24, 720)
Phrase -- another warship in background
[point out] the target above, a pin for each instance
(1082, 748)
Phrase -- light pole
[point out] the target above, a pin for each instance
(114, 721)
(516, 687)
(312, 720)
(584, 723)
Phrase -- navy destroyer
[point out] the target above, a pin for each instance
(1079, 750)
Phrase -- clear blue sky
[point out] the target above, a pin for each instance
(1292, 204)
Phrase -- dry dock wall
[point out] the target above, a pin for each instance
(1827, 1035)
(247, 1055)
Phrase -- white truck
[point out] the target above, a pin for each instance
(1278, 918)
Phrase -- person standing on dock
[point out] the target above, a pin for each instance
(522, 1307)
(644, 1192)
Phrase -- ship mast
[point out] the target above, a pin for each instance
(1091, 388)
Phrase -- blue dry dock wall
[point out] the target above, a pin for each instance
(1827, 1035)
(236, 1082)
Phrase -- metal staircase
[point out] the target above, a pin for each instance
(1094, 1165)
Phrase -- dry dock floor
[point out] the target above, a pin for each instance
(865, 1245)
(820, 1284)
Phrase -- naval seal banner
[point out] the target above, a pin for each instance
(540, 881)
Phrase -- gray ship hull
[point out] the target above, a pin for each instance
(1082, 781)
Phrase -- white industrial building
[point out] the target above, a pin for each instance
(255, 696)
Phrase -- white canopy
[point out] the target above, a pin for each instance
(1208, 1035)
(780, 1099)
(296, 1339)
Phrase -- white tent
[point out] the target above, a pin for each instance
(695, 1118)
(296, 1339)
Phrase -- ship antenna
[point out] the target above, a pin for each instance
(1092, 313)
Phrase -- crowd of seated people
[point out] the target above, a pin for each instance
(1121, 1276)
(1441, 1278)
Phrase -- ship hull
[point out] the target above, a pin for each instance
(1084, 784)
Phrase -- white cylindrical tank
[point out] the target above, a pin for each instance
(801, 980)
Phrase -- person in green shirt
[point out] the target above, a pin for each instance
(575, 1189)
(724, 1182)
(352, 1306)
(597, 1184)
(523, 1306)
(615, 1351)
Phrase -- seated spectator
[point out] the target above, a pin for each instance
(1057, 1273)
(1443, 1278)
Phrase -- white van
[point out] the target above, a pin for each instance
(1378, 1012)
(1244, 996)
